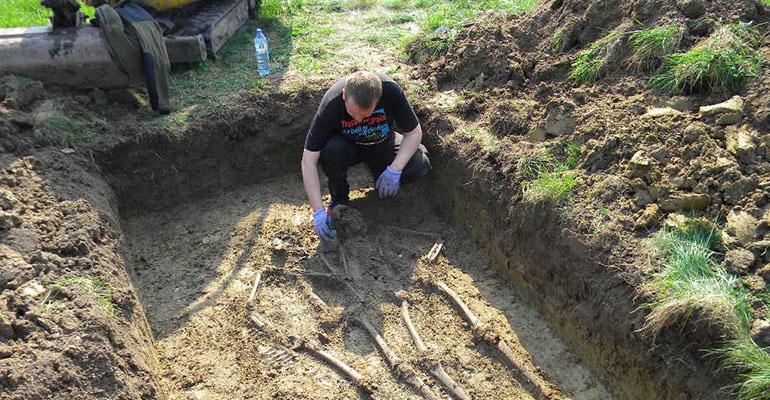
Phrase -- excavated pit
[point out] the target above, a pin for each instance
(203, 214)
(195, 264)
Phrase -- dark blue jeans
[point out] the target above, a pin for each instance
(339, 154)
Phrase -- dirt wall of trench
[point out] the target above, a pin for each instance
(71, 325)
(589, 304)
(261, 138)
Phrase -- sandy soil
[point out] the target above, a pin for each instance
(195, 265)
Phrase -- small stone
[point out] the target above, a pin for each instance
(7, 200)
(694, 132)
(641, 163)
(742, 226)
(723, 163)
(738, 261)
(536, 136)
(686, 202)
(682, 103)
(8, 221)
(32, 289)
(736, 191)
(648, 217)
(741, 143)
(728, 113)
(691, 8)
(559, 124)
(660, 112)
(675, 221)
(760, 332)
(764, 272)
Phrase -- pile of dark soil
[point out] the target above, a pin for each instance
(645, 156)
(648, 160)
(70, 324)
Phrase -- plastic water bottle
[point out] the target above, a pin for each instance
(263, 54)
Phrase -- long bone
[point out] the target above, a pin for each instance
(429, 362)
(400, 368)
(484, 333)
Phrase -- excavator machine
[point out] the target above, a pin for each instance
(74, 52)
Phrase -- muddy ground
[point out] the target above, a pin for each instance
(195, 266)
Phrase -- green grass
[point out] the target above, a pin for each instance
(58, 126)
(23, 13)
(691, 282)
(452, 15)
(752, 363)
(557, 43)
(650, 46)
(549, 180)
(94, 286)
(722, 63)
(480, 135)
(590, 62)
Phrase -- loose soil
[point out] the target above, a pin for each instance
(194, 268)
(122, 205)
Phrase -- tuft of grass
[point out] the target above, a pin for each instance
(54, 125)
(558, 44)
(481, 136)
(691, 282)
(573, 155)
(554, 185)
(650, 46)
(548, 180)
(426, 46)
(397, 5)
(589, 63)
(752, 363)
(722, 63)
(95, 286)
(23, 13)
(361, 4)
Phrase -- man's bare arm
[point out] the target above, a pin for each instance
(310, 178)
(409, 146)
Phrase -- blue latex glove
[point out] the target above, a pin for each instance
(322, 220)
(388, 182)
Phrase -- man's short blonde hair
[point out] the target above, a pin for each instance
(364, 87)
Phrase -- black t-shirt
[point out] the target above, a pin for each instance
(392, 112)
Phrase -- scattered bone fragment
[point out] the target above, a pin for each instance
(253, 294)
(434, 251)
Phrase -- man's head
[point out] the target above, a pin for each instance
(361, 93)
